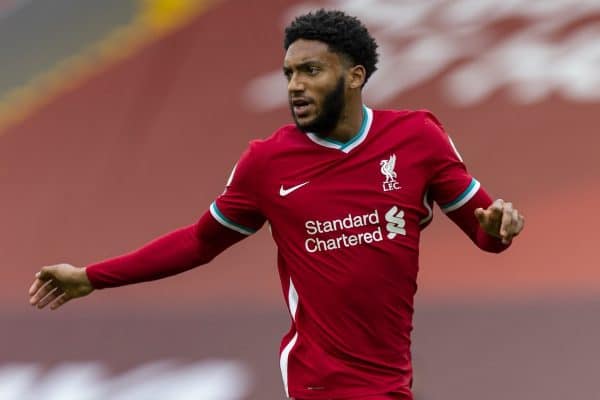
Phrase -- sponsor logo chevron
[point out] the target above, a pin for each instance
(207, 380)
(543, 48)
(319, 231)
(395, 222)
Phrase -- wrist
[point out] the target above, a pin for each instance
(84, 278)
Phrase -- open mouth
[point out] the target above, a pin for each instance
(301, 107)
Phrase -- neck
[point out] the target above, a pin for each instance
(350, 122)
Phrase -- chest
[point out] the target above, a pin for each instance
(331, 184)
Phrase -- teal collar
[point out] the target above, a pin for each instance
(360, 137)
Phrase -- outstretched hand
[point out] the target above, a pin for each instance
(57, 284)
(501, 220)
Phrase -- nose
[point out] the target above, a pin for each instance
(295, 84)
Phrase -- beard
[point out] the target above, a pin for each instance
(331, 111)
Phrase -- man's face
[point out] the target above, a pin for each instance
(316, 85)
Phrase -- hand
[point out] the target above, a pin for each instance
(57, 284)
(501, 220)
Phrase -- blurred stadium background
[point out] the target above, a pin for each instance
(121, 119)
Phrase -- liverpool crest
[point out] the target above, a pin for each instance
(388, 171)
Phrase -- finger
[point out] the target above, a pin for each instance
(42, 277)
(506, 219)
(510, 224)
(521, 222)
(497, 205)
(60, 300)
(49, 298)
(496, 209)
(36, 285)
(517, 225)
(513, 229)
(43, 290)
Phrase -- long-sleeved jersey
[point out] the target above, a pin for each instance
(346, 218)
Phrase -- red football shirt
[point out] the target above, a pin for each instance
(346, 218)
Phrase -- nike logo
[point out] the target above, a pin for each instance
(284, 192)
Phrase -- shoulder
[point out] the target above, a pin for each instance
(422, 124)
(419, 118)
(281, 138)
(261, 150)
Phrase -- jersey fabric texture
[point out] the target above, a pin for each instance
(346, 218)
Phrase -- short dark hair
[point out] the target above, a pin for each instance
(344, 34)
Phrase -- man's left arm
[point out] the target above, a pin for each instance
(491, 225)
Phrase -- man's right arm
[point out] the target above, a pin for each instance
(168, 255)
(234, 215)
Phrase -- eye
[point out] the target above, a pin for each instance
(288, 74)
(313, 70)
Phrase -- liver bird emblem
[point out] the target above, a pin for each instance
(387, 169)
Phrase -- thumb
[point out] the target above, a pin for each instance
(45, 273)
(480, 215)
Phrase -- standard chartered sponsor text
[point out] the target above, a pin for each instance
(316, 243)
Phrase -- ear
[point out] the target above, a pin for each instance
(356, 76)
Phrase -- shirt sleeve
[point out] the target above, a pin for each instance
(238, 207)
(450, 186)
(170, 254)
(465, 219)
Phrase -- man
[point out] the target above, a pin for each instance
(347, 191)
